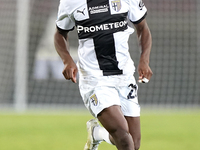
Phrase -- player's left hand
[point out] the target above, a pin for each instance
(145, 72)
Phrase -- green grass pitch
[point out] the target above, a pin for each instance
(176, 130)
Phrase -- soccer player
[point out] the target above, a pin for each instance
(106, 81)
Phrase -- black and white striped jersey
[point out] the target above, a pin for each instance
(103, 30)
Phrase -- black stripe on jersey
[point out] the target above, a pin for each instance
(100, 27)
(100, 23)
(106, 55)
(140, 20)
(63, 32)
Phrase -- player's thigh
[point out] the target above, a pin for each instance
(134, 129)
(113, 119)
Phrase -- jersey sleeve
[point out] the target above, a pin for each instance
(137, 11)
(64, 20)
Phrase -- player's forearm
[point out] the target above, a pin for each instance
(62, 47)
(145, 41)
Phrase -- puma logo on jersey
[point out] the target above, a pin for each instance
(141, 4)
(82, 12)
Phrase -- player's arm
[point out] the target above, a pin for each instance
(145, 41)
(62, 47)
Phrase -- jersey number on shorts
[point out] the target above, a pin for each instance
(133, 92)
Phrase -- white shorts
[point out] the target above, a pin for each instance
(102, 92)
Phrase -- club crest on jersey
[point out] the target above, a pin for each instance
(94, 100)
(116, 5)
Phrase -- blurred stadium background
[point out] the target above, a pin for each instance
(30, 74)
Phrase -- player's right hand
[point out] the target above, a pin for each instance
(70, 71)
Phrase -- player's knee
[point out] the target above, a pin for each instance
(125, 140)
(122, 138)
(137, 147)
